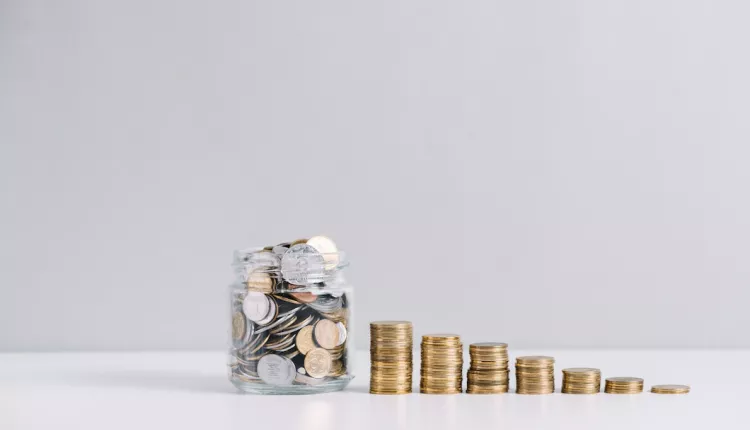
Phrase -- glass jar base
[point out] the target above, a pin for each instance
(329, 386)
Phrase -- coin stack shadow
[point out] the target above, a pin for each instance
(442, 364)
(535, 375)
(391, 357)
(623, 385)
(488, 371)
(581, 380)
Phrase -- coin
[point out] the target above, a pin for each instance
(302, 264)
(327, 248)
(391, 357)
(535, 374)
(304, 296)
(326, 303)
(581, 380)
(318, 362)
(441, 370)
(342, 333)
(304, 379)
(304, 339)
(280, 344)
(239, 326)
(670, 389)
(273, 312)
(326, 334)
(279, 321)
(276, 370)
(623, 385)
(261, 281)
(296, 326)
(488, 371)
(256, 306)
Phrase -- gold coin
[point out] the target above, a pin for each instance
(580, 370)
(326, 334)
(261, 281)
(297, 242)
(304, 339)
(670, 389)
(624, 380)
(318, 362)
(535, 360)
(488, 346)
(391, 324)
(441, 338)
(239, 326)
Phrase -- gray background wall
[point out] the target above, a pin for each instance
(540, 172)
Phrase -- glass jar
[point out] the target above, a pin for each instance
(291, 319)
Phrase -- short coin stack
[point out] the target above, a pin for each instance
(623, 385)
(391, 357)
(670, 389)
(535, 374)
(442, 364)
(581, 380)
(488, 373)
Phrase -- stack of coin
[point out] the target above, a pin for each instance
(670, 389)
(442, 364)
(391, 357)
(488, 371)
(581, 380)
(535, 374)
(623, 385)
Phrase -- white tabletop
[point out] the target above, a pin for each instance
(189, 390)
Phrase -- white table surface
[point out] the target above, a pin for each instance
(189, 390)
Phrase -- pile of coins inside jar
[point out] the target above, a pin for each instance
(290, 318)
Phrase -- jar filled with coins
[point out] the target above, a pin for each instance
(290, 319)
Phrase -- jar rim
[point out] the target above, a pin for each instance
(262, 267)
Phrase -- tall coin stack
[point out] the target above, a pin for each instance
(391, 357)
(442, 364)
(581, 380)
(488, 373)
(535, 374)
(623, 385)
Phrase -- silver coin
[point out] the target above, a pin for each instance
(276, 323)
(276, 370)
(272, 312)
(280, 249)
(342, 333)
(297, 326)
(282, 345)
(301, 378)
(256, 306)
(327, 303)
(302, 264)
(327, 249)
